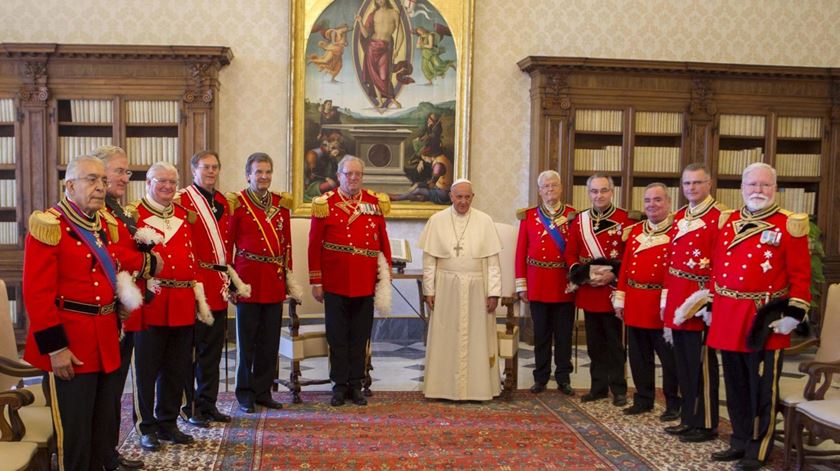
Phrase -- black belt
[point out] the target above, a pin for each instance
(637, 285)
(688, 276)
(164, 283)
(262, 258)
(542, 264)
(213, 266)
(351, 250)
(85, 308)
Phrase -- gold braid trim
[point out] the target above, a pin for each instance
(320, 208)
(233, 201)
(113, 225)
(45, 227)
(797, 224)
(285, 200)
(131, 209)
(724, 216)
(384, 202)
(521, 212)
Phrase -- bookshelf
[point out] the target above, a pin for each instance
(663, 115)
(58, 101)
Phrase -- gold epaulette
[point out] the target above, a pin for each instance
(192, 216)
(131, 210)
(177, 198)
(625, 234)
(320, 208)
(113, 225)
(571, 216)
(233, 201)
(384, 202)
(634, 215)
(724, 216)
(285, 200)
(45, 227)
(797, 224)
(521, 212)
(720, 206)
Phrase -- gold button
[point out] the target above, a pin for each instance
(95, 283)
(97, 298)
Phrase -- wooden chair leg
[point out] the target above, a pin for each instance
(797, 429)
(294, 381)
(787, 414)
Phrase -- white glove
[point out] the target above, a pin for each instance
(706, 315)
(784, 326)
(668, 335)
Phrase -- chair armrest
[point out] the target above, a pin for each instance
(802, 346)
(819, 378)
(17, 368)
(13, 429)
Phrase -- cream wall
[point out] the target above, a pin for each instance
(254, 96)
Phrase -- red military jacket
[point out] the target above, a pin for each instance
(262, 235)
(540, 267)
(171, 306)
(345, 239)
(596, 237)
(58, 267)
(757, 257)
(212, 244)
(643, 272)
(693, 237)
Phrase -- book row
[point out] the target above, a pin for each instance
(13, 310)
(580, 197)
(148, 150)
(8, 233)
(656, 159)
(607, 159)
(598, 120)
(659, 123)
(151, 111)
(135, 190)
(732, 162)
(793, 199)
(7, 150)
(800, 127)
(7, 110)
(742, 125)
(798, 165)
(91, 111)
(73, 146)
(8, 193)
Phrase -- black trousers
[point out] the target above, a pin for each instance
(126, 349)
(85, 409)
(258, 341)
(348, 323)
(752, 398)
(553, 324)
(604, 342)
(162, 360)
(698, 375)
(202, 390)
(643, 344)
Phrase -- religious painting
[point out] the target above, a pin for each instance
(386, 81)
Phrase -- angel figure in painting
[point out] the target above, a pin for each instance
(433, 66)
(335, 40)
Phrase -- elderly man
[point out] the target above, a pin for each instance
(212, 246)
(761, 263)
(693, 236)
(260, 228)
(163, 350)
(69, 289)
(462, 286)
(348, 253)
(637, 301)
(594, 253)
(541, 278)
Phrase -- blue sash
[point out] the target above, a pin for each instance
(554, 232)
(101, 254)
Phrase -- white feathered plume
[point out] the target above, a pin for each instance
(203, 314)
(293, 288)
(127, 292)
(382, 294)
(148, 236)
(243, 290)
(690, 306)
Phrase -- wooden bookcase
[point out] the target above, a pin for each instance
(673, 113)
(58, 101)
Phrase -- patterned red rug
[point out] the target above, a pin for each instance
(402, 430)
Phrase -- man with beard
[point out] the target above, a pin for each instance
(761, 266)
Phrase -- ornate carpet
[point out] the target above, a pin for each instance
(402, 430)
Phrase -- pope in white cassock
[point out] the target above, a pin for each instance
(461, 283)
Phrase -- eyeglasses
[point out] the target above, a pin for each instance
(547, 186)
(160, 181)
(208, 167)
(123, 171)
(93, 180)
(695, 183)
(757, 186)
(602, 191)
(352, 174)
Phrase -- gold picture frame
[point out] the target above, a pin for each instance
(387, 81)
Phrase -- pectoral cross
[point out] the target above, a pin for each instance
(458, 249)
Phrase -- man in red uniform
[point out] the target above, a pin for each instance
(761, 257)
(637, 301)
(163, 348)
(143, 264)
(212, 246)
(69, 288)
(594, 255)
(541, 280)
(693, 236)
(348, 250)
(260, 228)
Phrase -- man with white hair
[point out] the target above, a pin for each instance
(163, 350)
(761, 277)
(541, 278)
(462, 285)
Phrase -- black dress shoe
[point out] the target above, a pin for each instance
(729, 454)
(620, 400)
(217, 416)
(270, 403)
(149, 442)
(175, 436)
(199, 420)
(129, 464)
(637, 409)
(337, 399)
(538, 388)
(681, 429)
(566, 389)
(247, 408)
(357, 397)
(748, 464)
(699, 435)
(670, 415)
(590, 397)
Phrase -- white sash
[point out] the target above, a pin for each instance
(209, 222)
(590, 240)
